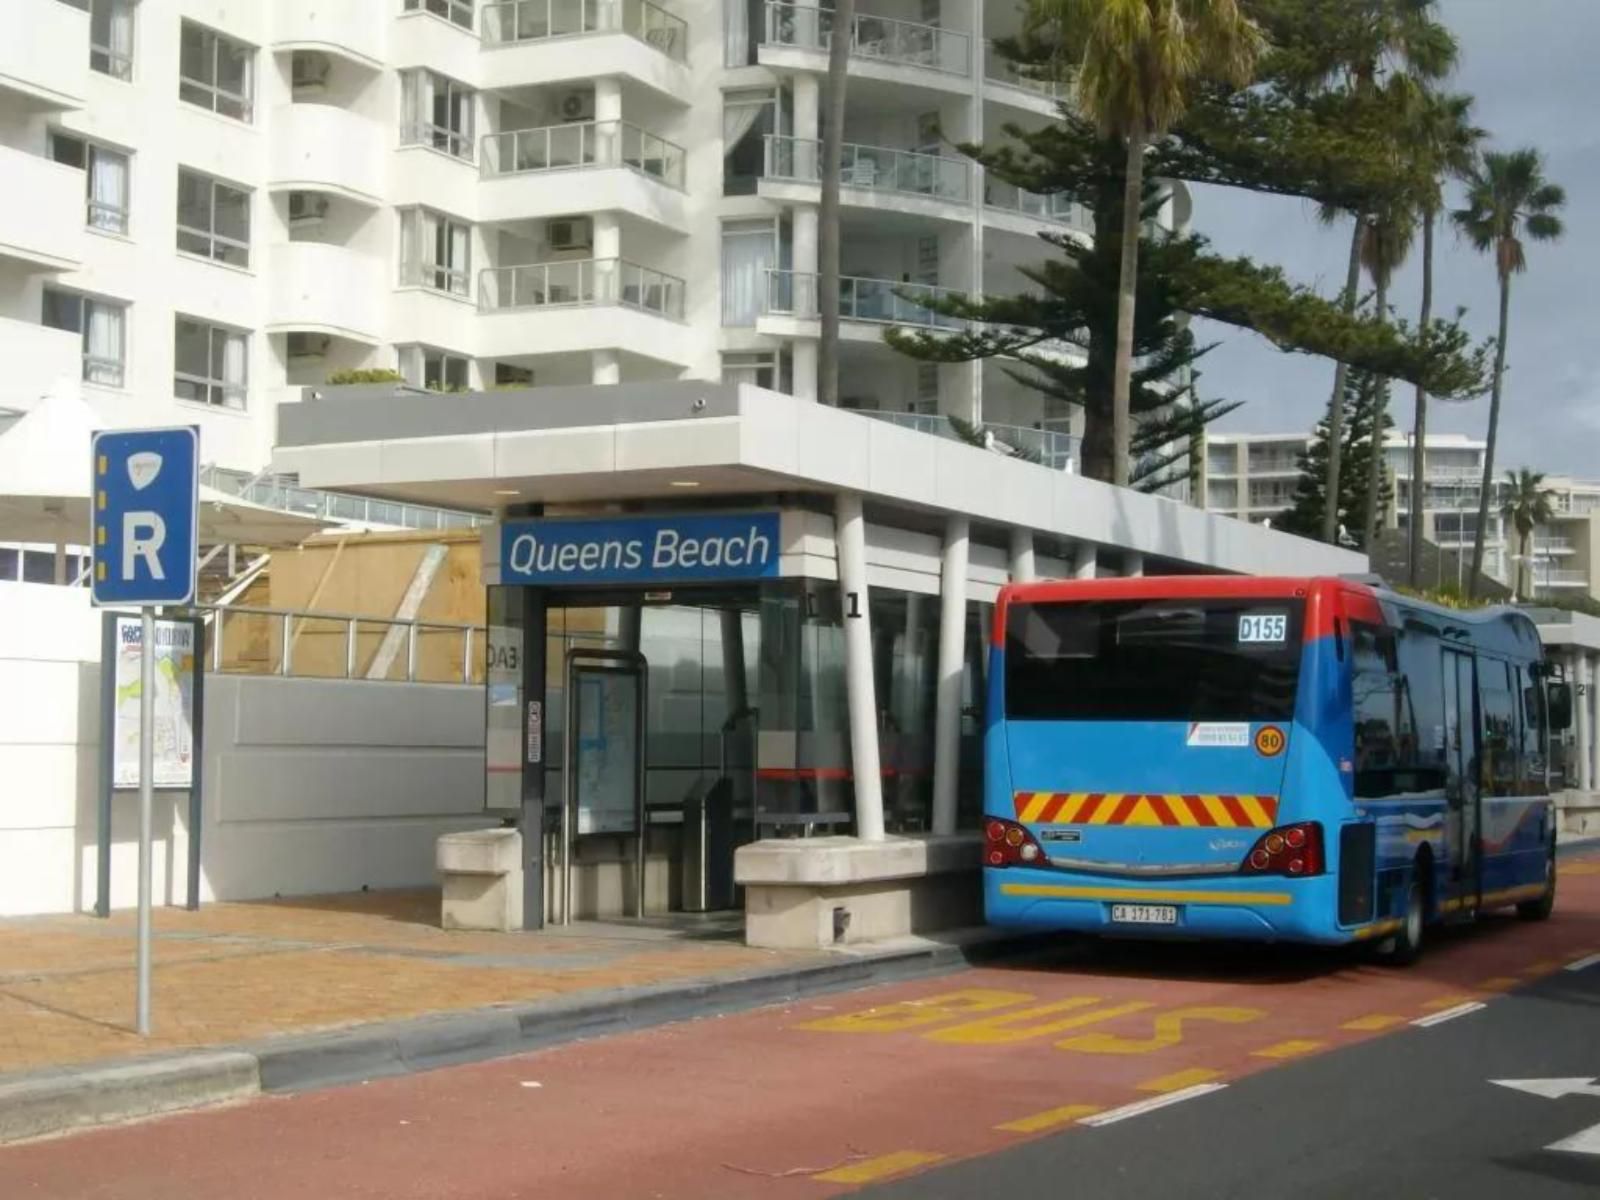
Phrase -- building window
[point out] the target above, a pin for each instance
(756, 368)
(749, 262)
(106, 179)
(435, 252)
(457, 12)
(511, 375)
(216, 72)
(436, 111)
(110, 35)
(436, 370)
(212, 364)
(213, 219)
(749, 118)
(103, 327)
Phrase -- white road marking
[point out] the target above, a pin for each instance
(1586, 1142)
(1143, 1106)
(1449, 1014)
(1584, 963)
(1552, 1089)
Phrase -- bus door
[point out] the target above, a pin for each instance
(1464, 817)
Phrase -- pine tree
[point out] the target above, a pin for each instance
(1362, 403)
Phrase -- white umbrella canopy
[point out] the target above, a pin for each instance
(44, 487)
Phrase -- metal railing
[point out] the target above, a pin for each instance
(999, 69)
(457, 143)
(517, 21)
(873, 168)
(580, 282)
(1008, 197)
(871, 37)
(1560, 578)
(586, 144)
(249, 640)
(274, 491)
(1554, 545)
(1055, 449)
(879, 301)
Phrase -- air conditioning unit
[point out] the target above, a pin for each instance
(570, 233)
(308, 69)
(577, 106)
(307, 208)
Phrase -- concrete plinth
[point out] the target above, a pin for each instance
(806, 893)
(481, 875)
(1578, 813)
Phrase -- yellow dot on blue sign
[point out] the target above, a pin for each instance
(100, 535)
(100, 499)
(101, 464)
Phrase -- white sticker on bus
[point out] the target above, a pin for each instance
(1263, 627)
(1219, 733)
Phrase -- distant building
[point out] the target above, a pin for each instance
(1253, 477)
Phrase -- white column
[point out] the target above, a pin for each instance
(952, 656)
(604, 367)
(1022, 569)
(606, 282)
(851, 540)
(975, 49)
(804, 366)
(803, 251)
(1084, 561)
(607, 108)
(1584, 703)
(1132, 563)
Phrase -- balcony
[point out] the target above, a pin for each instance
(1560, 579)
(320, 147)
(41, 208)
(45, 57)
(1555, 545)
(324, 288)
(333, 26)
(544, 307)
(1051, 447)
(881, 170)
(1008, 84)
(874, 40)
(36, 357)
(793, 294)
(558, 40)
(1008, 200)
(591, 167)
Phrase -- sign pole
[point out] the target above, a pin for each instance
(147, 775)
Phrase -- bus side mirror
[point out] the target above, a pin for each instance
(1560, 696)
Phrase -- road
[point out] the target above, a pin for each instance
(1275, 1070)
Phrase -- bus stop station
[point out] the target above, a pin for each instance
(754, 626)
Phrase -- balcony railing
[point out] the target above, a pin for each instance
(517, 21)
(1555, 545)
(249, 640)
(279, 492)
(1054, 448)
(872, 168)
(1543, 578)
(1008, 197)
(589, 144)
(878, 301)
(998, 69)
(581, 283)
(881, 38)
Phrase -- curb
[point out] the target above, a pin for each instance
(63, 1099)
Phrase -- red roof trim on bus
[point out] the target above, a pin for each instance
(1320, 613)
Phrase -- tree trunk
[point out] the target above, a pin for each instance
(1524, 576)
(828, 211)
(1494, 430)
(1352, 287)
(1419, 426)
(1380, 409)
(1122, 378)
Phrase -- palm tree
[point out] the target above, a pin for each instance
(1527, 503)
(1141, 58)
(1508, 198)
(1443, 134)
(1383, 250)
(841, 34)
(1397, 49)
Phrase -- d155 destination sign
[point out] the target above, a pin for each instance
(645, 549)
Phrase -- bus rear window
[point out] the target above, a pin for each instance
(1153, 660)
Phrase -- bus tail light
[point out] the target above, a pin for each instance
(1007, 844)
(1293, 850)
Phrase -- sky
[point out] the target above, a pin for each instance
(1530, 64)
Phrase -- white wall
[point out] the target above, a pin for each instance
(310, 785)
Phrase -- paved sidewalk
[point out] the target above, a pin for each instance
(234, 973)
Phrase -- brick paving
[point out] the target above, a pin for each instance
(235, 972)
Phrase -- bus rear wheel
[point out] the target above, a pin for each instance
(1405, 947)
(1540, 909)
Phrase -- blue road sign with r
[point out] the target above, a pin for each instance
(146, 522)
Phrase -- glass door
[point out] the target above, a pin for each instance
(605, 736)
(1462, 785)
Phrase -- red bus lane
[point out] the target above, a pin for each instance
(821, 1097)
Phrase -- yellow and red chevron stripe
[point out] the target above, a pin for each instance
(1146, 808)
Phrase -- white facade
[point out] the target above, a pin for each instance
(210, 204)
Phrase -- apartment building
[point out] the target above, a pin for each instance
(1253, 477)
(212, 204)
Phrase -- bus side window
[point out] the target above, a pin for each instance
(1535, 740)
(1422, 666)
(1501, 739)
(1386, 747)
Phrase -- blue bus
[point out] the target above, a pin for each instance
(1308, 760)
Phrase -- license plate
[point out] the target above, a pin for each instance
(1144, 914)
